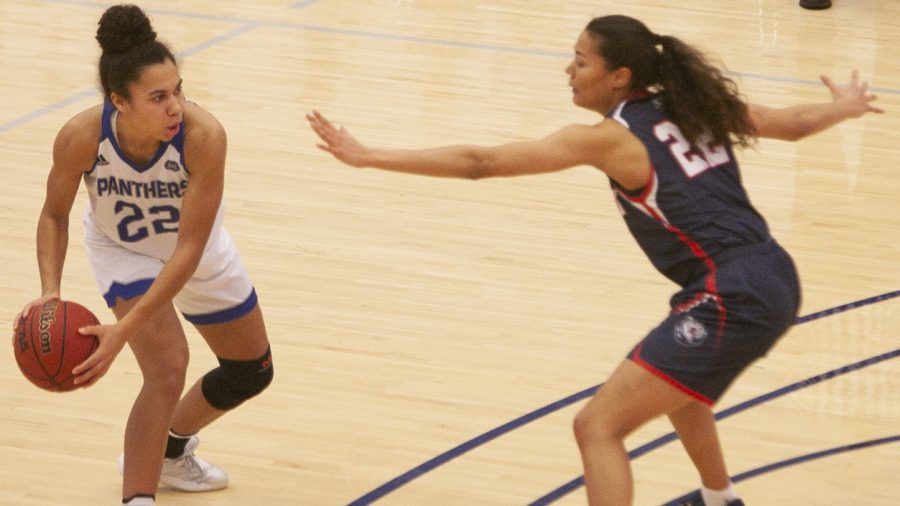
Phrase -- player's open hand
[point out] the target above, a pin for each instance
(112, 339)
(855, 93)
(338, 141)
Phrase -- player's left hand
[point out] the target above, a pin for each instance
(338, 141)
(855, 93)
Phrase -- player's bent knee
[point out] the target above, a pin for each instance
(235, 381)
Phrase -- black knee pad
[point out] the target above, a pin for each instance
(235, 381)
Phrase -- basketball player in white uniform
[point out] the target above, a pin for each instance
(154, 165)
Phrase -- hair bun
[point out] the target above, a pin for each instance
(122, 28)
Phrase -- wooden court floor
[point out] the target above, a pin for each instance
(433, 339)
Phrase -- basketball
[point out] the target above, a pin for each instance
(48, 346)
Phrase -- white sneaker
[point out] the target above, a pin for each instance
(189, 473)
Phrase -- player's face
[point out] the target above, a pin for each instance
(157, 102)
(594, 87)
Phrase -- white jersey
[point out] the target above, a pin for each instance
(131, 228)
(139, 207)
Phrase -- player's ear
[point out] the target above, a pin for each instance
(622, 77)
(117, 101)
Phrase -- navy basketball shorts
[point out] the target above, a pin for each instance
(715, 330)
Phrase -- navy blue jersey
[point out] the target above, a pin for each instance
(693, 209)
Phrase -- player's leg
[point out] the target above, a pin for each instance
(160, 349)
(237, 379)
(221, 303)
(696, 428)
(242, 347)
(631, 397)
(162, 355)
(231, 322)
(245, 370)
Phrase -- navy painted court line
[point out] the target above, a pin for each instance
(656, 443)
(473, 443)
(431, 41)
(303, 3)
(248, 24)
(469, 445)
(215, 41)
(792, 462)
(56, 106)
(90, 92)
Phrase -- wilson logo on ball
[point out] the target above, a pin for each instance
(48, 345)
(48, 316)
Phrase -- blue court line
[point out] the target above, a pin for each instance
(435, 41)
(791, 462)
(215, 41)
(160, 12)
(304, 3)
(90, 92)
(471, 444)
(43, 111)
(668, 438)
(249, 24)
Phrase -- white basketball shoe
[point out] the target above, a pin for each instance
(189, 473)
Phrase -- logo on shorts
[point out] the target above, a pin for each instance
(689, 332)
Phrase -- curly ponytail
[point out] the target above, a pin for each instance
(695, 94)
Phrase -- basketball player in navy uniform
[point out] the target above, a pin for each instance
(670, 120)
(153, 164)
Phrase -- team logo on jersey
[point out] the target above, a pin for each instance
(101, 160)
(172, 165)
(689, 332)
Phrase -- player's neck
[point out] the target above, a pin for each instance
(139, 149)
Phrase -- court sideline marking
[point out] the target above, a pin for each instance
(790, 462)
(250, 24)
(477, 441)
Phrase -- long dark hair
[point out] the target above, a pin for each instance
(695, 94)
(129, 44)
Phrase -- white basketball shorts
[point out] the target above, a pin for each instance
(220, 290)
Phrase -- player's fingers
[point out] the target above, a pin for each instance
(87, 371)
(89, 330)
(84, 369)
(326, 125)
(93, 379)
(18, 320)
(829, 83)
(317, 120)
(324, 133)
(320, 117)
(24, 314)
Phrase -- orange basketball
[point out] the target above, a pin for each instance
(48, 346)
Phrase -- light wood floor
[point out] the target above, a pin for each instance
(411, 315)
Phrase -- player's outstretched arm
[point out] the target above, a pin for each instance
(570, 146)
(796, 122)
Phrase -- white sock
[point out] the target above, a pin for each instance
(140, 501)
(718, 497)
